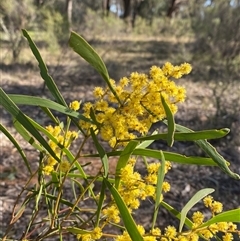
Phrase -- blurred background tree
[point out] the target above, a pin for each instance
(213, 25)
(216, 25)
(14, 17)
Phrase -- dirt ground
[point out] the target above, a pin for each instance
(76, 79)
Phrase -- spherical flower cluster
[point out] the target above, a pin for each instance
(95, 234)
(198, 218)
(215, 206)
(136, 103)
(112, 214)
(75, 105)
(125, 236)
(170, 232)
(64, 166)
(64, 139)
(133, 188)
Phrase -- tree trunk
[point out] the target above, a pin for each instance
(127, 8)
(171, 8)
(106, 7)
(69, 5)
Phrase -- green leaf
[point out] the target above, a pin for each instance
(65, 150)
(147, 142)
(170, 120)
(83, 48)
(18, 214)
(14, 142)
(93, 117)
(76, 230)
(37, 101)
(188, 136)
(170, 156)
(55, 178)
(26, 136)
(126, 216)
(50, 115)
(123, 160)
(44, 71)
(211, 152)
(228, 216)
(160, 178)
(101, 152)
(195, 199)
(52, 197)
(38, 197)
(175, 157)
(100, 203)
(9, 105)
(176, 214)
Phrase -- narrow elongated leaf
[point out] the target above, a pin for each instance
(9, 105)
(160, 178)
(44, 71)
(148, 142)
(65, 150)
(83, 48)
(37, 101)
(50, 115)
(175, 157)
(228, 216)
(75, 230)
(55, 178)
(170, 156)
(99, 178)
(171, 122)
(195, 199)
(126, 216)
(211, 152)
(123, 160)
(14, 142)
(38, 197)
(63, 201)
(176, 214)
(101, 152)
(100, 203)
(93, 117)
(52, 197)
(52, 138)
(26, 136)
(18, 214)
(190, 136)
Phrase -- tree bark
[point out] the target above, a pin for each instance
(127, 8)
(69, 5)
(106, 7)
(171, 8)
